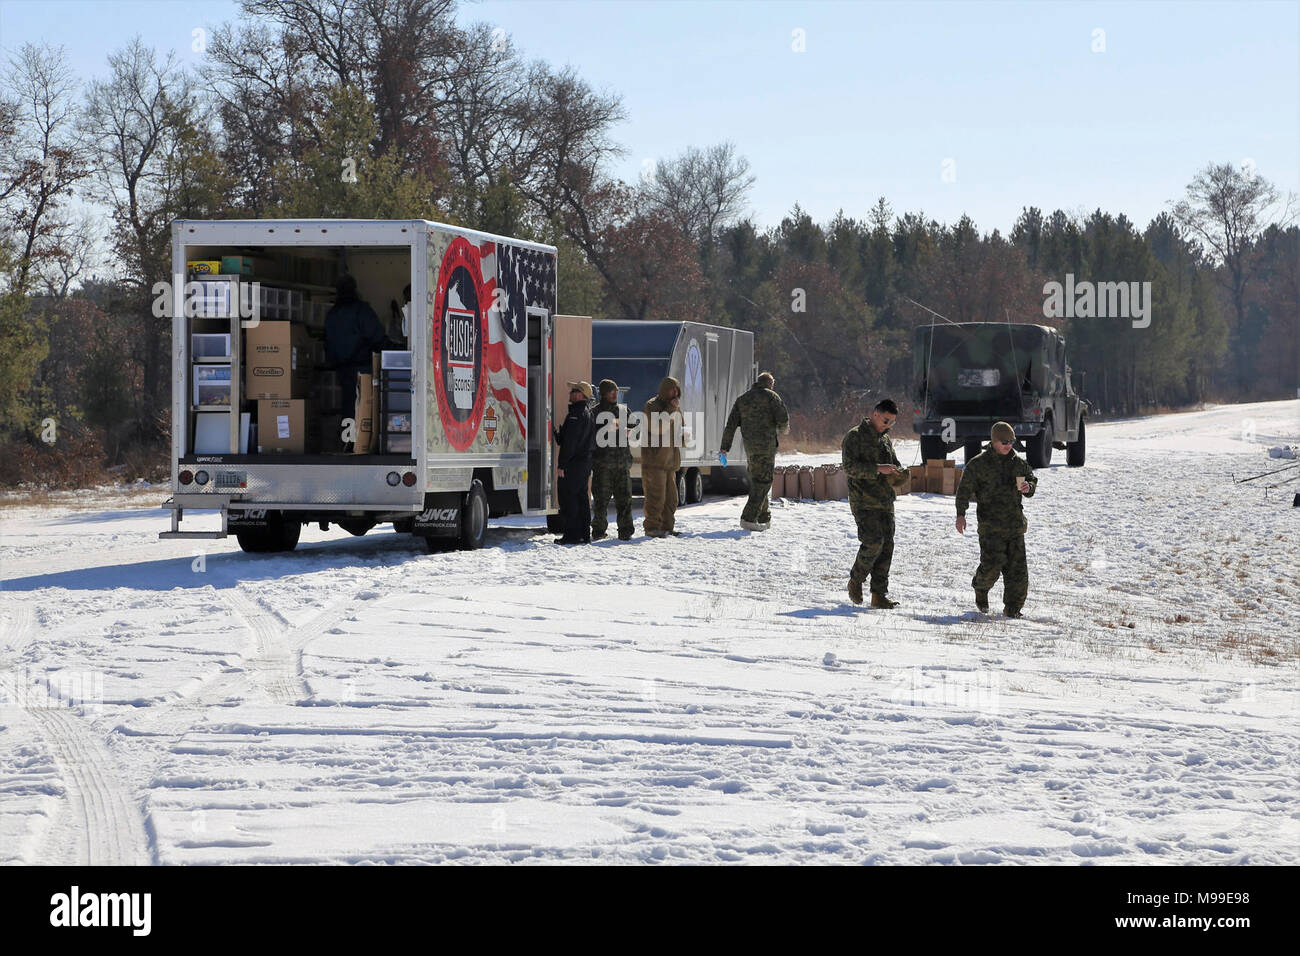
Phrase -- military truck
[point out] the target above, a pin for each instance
(969, 375)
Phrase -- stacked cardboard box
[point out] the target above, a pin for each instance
(941, 476)
(277, 361)
(281, 426)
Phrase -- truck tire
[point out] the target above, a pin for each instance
(1076, 451)
(932, 446)
(474, 518)
(972, 446)
(681, 487)
(694, 486)
(290, 532)
(1039, 447)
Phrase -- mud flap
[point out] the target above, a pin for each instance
(441, 515)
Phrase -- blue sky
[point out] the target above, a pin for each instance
(883, 94)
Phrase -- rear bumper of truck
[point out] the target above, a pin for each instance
(960, 429)
(373, 489)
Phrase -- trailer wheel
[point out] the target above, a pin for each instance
(972, 446)
(694, 486)
(474, 518)
(1039, 447)
(933, 447)
(1076, 451)
(681, 487)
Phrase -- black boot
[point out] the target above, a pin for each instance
(982, 601)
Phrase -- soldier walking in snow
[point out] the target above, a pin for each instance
(998, 478)
(873, 470)
(761, 416)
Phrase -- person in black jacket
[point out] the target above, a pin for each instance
(352, 334)
(576, 438)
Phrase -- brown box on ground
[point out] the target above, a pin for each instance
(281, 426)
(365, 415)
(949, 481)
(934, 476)
(277, 361)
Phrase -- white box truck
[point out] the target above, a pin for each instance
(465, 434)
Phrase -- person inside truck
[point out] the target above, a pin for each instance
(352, 334)
(400, 318)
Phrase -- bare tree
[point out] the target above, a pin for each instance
(702, 190)
(1228, 208)
(137, 118)
(44, 156)
(134, 118)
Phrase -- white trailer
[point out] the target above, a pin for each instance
(477, 440)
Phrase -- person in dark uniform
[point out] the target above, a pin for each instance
(576, 438)
(352, 334)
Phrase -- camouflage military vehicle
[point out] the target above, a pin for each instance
(969, 375)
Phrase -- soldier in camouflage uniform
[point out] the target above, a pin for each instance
(873, 470)
(997, 478)
(611, 464)
(761, 416)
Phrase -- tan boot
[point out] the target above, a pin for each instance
(880, 601)
(855, 591)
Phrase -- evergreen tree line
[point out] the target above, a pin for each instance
(390, 109)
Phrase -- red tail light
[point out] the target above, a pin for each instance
(408, 479)
(186, 477)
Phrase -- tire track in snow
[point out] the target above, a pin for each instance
(277, 665)
(104, 828)
(101, 827)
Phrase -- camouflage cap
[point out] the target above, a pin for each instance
(1002, 432)
(607, 385)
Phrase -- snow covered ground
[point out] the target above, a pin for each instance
(710, 698)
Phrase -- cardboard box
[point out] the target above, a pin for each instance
(281, 426)
(277, 361)
(365, 415)
(949, 481)
(934, 476)
(916, 476)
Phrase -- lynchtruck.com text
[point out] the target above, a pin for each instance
(74, 909)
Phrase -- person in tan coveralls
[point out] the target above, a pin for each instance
(661, 456)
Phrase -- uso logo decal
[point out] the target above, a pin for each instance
(459, 334)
